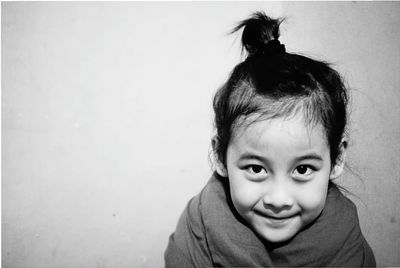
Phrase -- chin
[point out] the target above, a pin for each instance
(277, 237)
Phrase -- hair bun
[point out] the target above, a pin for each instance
(258, 30)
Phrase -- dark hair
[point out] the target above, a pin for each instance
(272, 83)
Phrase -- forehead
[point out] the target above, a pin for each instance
(293, 134)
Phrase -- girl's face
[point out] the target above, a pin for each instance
(279, 170)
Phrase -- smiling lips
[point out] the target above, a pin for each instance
(276, 219)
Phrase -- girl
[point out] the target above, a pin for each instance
(280, 121)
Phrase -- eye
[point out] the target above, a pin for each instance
(256, 170)
(304, 170)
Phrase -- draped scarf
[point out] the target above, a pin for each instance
(210, 233)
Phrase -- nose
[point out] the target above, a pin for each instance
(278, 197)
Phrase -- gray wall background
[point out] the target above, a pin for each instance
(107, 119)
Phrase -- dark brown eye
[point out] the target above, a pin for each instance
(256, 169)
(302, 169)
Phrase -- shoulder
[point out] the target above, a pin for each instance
(205, 204)
(188, 244)
(334, 193)
(340, 214)
(355, 250)
(339, 207)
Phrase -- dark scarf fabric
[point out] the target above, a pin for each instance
(211, 234)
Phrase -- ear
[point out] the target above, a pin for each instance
(337, 170)
(219, 166)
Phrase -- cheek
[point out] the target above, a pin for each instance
(244, 194)
(312, 202)
(312, 198)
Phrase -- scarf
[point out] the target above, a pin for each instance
(210, 233)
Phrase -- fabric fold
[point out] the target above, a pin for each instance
(211, 234)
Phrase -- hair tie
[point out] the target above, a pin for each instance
(273, 47)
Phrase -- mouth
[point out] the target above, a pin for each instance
(276, 219)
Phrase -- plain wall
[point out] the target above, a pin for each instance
(107, 119)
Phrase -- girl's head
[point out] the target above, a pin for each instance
(280, 121)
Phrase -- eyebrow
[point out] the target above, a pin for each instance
(311, 156)
(250, 156)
